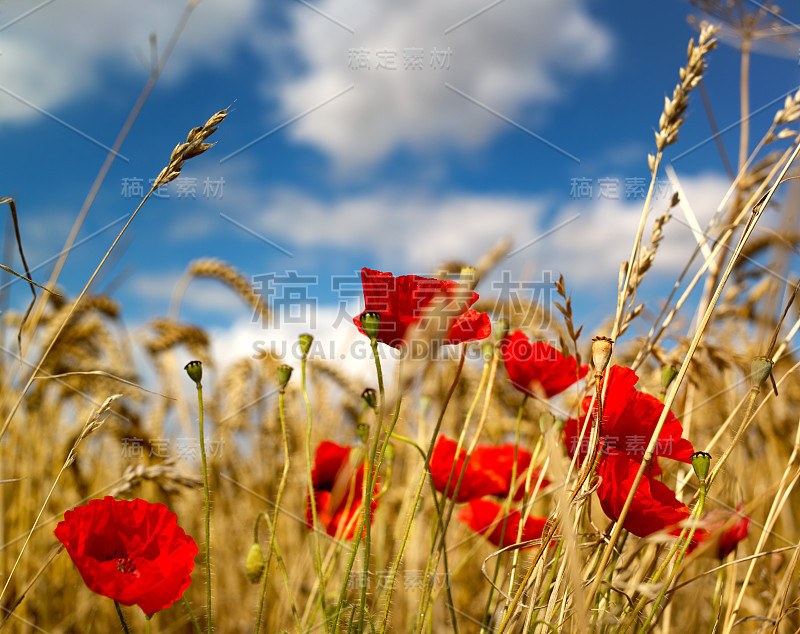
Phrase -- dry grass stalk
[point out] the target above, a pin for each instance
(674, 109)
(215, 269)
(170, 334)
(165, 475)
(194, 146)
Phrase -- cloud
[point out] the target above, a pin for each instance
(586, 240)
(399, 228)
(413, 234)
(339, 346)
(509, 57)
(65, 51)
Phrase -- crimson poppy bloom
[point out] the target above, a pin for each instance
(488, 471)
(654, 508)
(402, 301)
(629, 419)
(538, 368)
(719, 527)
(486, 517)
(338, 490)
(131, 551)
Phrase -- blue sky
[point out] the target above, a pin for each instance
(388, 135)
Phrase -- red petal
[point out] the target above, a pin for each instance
(538, 367)
(630, 417)
(488, 472)
(485, 516)
(654, 507)
(338, 490)
(402, 301)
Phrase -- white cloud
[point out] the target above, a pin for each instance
(405, 232)
(510, 56)
(401, 229)
(342, 346)
(63, 52)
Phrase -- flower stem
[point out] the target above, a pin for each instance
(207, 496)
(191, 615)
(418, 493)
(147, 621)
(281, 487)
(512, 489)
(698, 510)
(121, 618)
(314, 516)
(369, 482)
(360, 531)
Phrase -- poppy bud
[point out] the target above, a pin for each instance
(370, 397)
(388, 454)
(284, 374)
(488, 351)
(546, 421)
(760, 369)
(371, 322)
(305, 343)
(255, 564)
(195, 371)
(701, 462)
(601, 352)
(468, 276)
(363, 432)
(502, 329)
(668, 374)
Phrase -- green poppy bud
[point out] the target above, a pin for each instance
(760, 369)
(371, 322)
(195, 371)
(255, 564)
(370, 397)
(701, 462)
(668, 374)
(284, 374)
(502, 329)
(305, 344)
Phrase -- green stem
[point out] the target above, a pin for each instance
(698, 510)
(418, 493)
(147, 622)
(448, 508)
(278, 499)
(751, 403)
(282, 568)
(314, 516)
(369, 482)
(360, 531)
(191, 615)
(525, 510)
(121, 618)
(716, 606)
(207, 496)
(507, 505)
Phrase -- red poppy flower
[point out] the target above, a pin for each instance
(654, 506)
(629, 419)
(720, 527)
(133, 552)
(538, 368)
(488, 471)
(338, 490)
(403, 301)
(486, 517)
